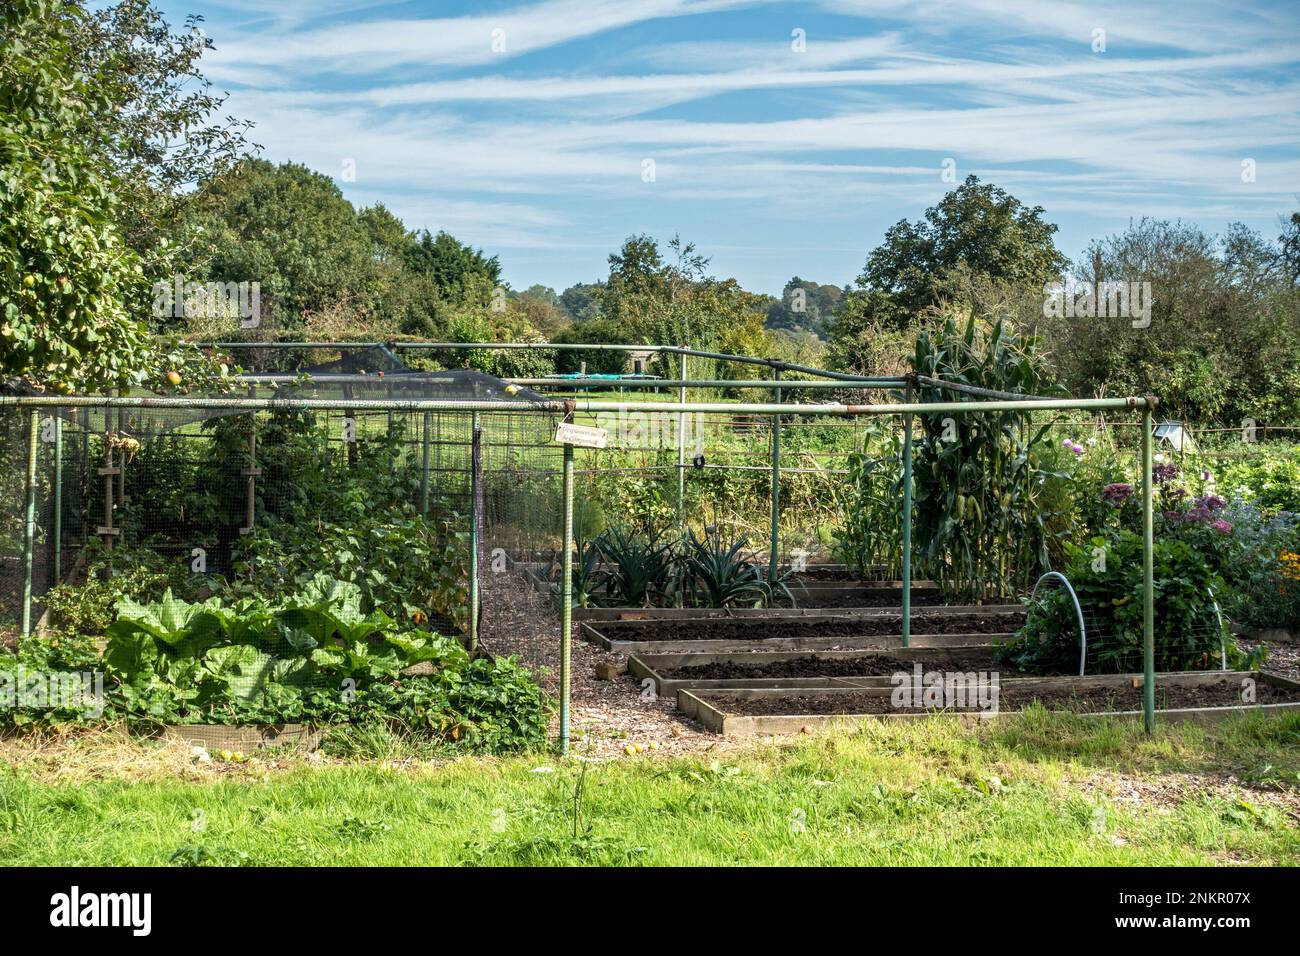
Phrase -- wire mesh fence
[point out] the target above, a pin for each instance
(264, 563)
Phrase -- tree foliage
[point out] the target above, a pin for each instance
(65, 269)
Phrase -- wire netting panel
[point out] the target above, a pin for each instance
(286, 516)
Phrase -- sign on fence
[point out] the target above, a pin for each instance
(585, 436)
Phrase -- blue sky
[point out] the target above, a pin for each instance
(775, 160)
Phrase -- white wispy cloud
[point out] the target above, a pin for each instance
(547, 153)
(380, 44)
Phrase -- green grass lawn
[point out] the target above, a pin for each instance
(1043, 789)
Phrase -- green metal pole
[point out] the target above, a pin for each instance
(566, 601)
(776, 485)
(476, 449)
(681, 451)
(29, 537)
(907, 522)
(1148, 579)
(58, 499)
(424, 466)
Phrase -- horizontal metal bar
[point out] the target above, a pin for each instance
(975, 389)
(256, 404)
(787, 384)
(432, 378)
(557, 405)
(553, 346)
(916, 408)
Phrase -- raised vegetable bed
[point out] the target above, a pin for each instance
(829, 588)
(934, 627)
(674, 672)
(247, 737)
(1199, 696)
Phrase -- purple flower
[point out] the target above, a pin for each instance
(1067, 443)
(1224, 527)
(1173, 515)
(1211, 502)
(1117, 493)
(1077, 449)
(1163, 474)
(1197, 514)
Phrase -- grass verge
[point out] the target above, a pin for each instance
(1043, 789)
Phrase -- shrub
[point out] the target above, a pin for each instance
(1187, 634)
(1263, 570)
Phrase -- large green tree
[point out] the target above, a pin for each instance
(456, 270)
(1223, 338)
(65, 271)
(159, 122)
(290, 229)
(977, 241)
(804, 306)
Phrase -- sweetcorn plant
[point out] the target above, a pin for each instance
(871, 500)
(987, 521)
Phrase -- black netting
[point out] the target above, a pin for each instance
(376, 511)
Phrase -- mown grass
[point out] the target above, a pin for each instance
(1044, 789)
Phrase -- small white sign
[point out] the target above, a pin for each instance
(585, 436)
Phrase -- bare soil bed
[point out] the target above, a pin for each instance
(874, 665)
(826, 574)
(857, 597)
(747, 629)
(1090, 700)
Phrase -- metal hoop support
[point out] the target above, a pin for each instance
(1223, 628)
(1078, 611)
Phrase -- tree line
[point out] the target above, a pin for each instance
(120, 171)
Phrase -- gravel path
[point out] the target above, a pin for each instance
(607, 715)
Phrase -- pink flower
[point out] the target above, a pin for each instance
(1223, 527)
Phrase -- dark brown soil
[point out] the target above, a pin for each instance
(758, 629)
(859, 597)
(824, 574)
(873, 665)
(1224, 693)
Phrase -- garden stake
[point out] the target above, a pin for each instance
(566, 600)
(475, 462)
(1148, 577)
(58, 499)
(681, 452)
(424, 466)
(106, 530)
(121, 458)
(29, 536)
(776, 481)
(907, 520)
(251, 473)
